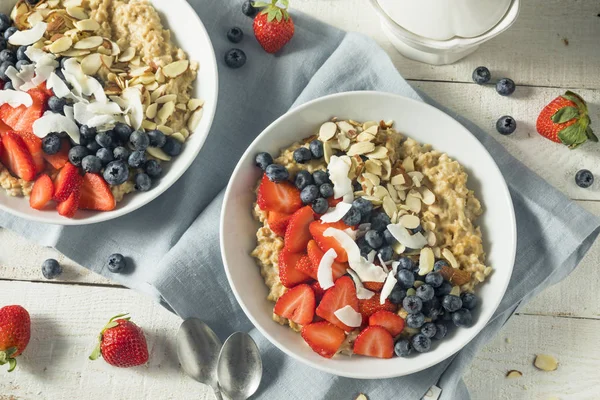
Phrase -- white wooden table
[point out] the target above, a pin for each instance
(563, 321)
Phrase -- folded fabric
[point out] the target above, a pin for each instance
(174, 240)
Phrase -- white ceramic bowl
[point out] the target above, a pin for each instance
(189, 33)
(417, 120)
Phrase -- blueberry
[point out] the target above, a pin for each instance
(405, 278)
(425, 292)
(316, 148)
(51, 143)
(584, 178)
(263, 160)
(412, 304)
(432, 308)
(121, 153)
(451, 302)
(374, 238)
(406, 263)
(320, 177)
(104, 140)
(440, 331)
(302, 155)
(93, 147)
(277, 173)
(153, 169)
(104, 155)
(116, 263)
(235, 58)
(417, 230)
(8, 55)
(352, 217)
(446, 316)
(124, 131)
(429, 329)
(415, 320)
(173, 147)
(505, 87)
(320, 206)
(303, 179)
(51, 268)
(386, 253)
(157, 138)
(21, 63)
(56, 104)
(143, 183)
(309, 194)
(33, 2)
(60, 74)
(439, 264)
(137, 159)
(462, 318)
(402, 348)
(5, 22)
(389, 238)
(469, 300)
(140, 140)
(87, 132)
(9, 32)
(444, 289)
(380, 221)
(363, 205)
(421, 343)
(82, 141)
(76, 154)
(91, 164)
(21, 55)
(247, 8)
(506, 125)
(3, 67)
(326, 190)
(8, 85)
(235, 35)
(434, 279)
(116, 172)
(363, 246)
(397, 295)
(3, 43)
(481, 75)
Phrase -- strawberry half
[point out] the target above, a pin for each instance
(342, 294)
(315, 254)
(16, 157)
(22, 118)
(96, 194)
(373, 286)
(297, 304)
(67, 180)
(42, 192)
(34, 145)
(59, 159)
(324, 338)
(317, 229)
(297, 234)
(374, 341)
(289, 275)
(370, 306)
(390, 321)
(319, 292)
(282, 197)
(69, 207)
(278, 222)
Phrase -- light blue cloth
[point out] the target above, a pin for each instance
(174, 240)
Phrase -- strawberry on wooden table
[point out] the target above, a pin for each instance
(565, 120)
(343, 293)
(278, 222)
(324, 338)
(389, 320)
(297, 304)
(16, 156)
(297, 234)
(15, 331)
(374, 341)
(42, 192)
(282, 197)
(289, 275)
(121, 343)
(317, 230)
(96, 194)
(273, 26)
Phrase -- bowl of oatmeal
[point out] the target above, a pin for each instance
(127, 69)
(368, 235)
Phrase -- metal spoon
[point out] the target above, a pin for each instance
(198, 351)
(240, 367)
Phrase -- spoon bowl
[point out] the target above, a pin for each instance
(240, 367)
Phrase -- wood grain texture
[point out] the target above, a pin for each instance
(531, 52)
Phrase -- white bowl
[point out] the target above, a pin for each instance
(417, 120)
(189, 33)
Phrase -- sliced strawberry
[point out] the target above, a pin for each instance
(16, 157)
(22, 118)
(67, 180)
(96, 194)
(297, 304)
(4, 128)
(42, 192)
(333, 202)
(315, 254)
(342, 294)
(34, 145)
(288, 274)
(49, 93)
(297, 234)
(324, 338)
(325, 243)
(278, 222)
(59, 159)
(370, 306)
(69, 207)
(374, 341)
(319, 292)
(281, 197)
(373, 286)
(389, 320)
(305, 266)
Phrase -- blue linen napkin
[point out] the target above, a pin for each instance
(174, 242)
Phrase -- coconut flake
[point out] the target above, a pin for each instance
(351, 232)
(388, 286)
(371, 256)
(68, 110)
(348, 316)
(51, 122)
(28, 36)
(361, 292)
(105, 108)
(325, 272)
(337, 213)
(383, 264)
(58, 86)
(35, 54)
(135, 108)
(13, 74)
(395, 265)
(42, 73)
(15, 98)
(338, 174)
(27, 73)
(401, 234)
(100, 121)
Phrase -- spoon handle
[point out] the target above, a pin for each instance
(217, 393)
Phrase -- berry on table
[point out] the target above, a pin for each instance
(143, 183)
(122, 343)
(505, 87)
(172, 147)
(421, 343)
(462, 318)
(316, 148)
(451, 302)
(273, 27)
(320, 206)
(15, 332)
(91, 164)
(104, 155)
(153, 169)
(277, 173)
(506, 125)
(584, 178)
(302, 155)
(352, 217)
(469, 300)
(235, 35)
(76, 155)
(263, 160)
(402, 348)
(406, 278)
(320, 177)
(235, 58)
(116, 173)
(412, 304)
(137, 159)
(248, 9)
(116, 263)
(326, 190)
(309, 194)
(481, 75)
(429, 329)
(51, 268)
(51, 143)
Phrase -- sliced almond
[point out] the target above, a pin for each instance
(427, 196)
(431, 238)
(393, 193)
(91, 42)
(148, 125)
(185, 133)
(361, 397)
(107, 61)
(426, 261)
(380, 152)
(87, 25)
(398, 180)
(181, 107)
(147, 79)
(327, 151)
(513, 373)
(366, 125)
(158, 154)
(373, 167)
(375, 200)
(176, 68)
(91, 64)
(151, 111)
(139, 71)
(194, 104)
(343, 141)
(327, 131)
(410, 221)
(168, 131)
(398, 248)
(35, 17)
(373, 129)
(413, 204)
(345, 126)
(61, 45)
(77, 12)
(381, 192)
(178, 136)
(408, 164)
(158, 92)
(160, 77)
(387, 168)
(360, 148)
(455, 291)
(166, 98)
(152, 86)
(72, 3)
(365, 137)
(127, 55)
(389, 206)
(450, 258)
(135, 61)
(194, 119)
(545, 362)
(373, 178)
(115, 50)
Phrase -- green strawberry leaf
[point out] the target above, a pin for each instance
(577, 99)
(96, 353)
(12, 363)
(285, 3)
(565, 114)
(573, 135)
(278, 16)
(260, 4)
(590, 134)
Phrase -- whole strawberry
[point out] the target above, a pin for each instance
(565, 120)
(15, 330)
(273, 26)
(121, 343)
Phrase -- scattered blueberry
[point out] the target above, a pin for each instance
(363, 205)
(415, 320)
(309, 194)
(326, 190)
(302, 155)
(124, 131)
(506, 125)
(481, 75)
(51, 268)
(406, 263)
(121, 153)
(444, 289)
(153, 169)
(116, 172)
(320, 206)
(9, 32)
(380, 221)
(412, 304)
(56, 104)
(421, 343)
(402, 348)
(425, 292)
(505, 87)
(76, 154)
(247, 8)
(235, 35)
(429, 329)
(157, 138)
(8, 55)
(320, 177)
(263, 160)
(451, 302)
(277, 173)
(3, 67)
(440, 331)
(104, 155)
(8, 85)
(235, 58)
(93, 146)
(91, 164)
(462, 318)
(352, 217)
(21, 55)
(584, 178)
(397, 295)
(87, 132)
(137, 159)
(139, 140)
(104, 140)
(172, 147)
(316, 148)
(21, 63)
(386, 253)
(439, 264)
(469, 300)
(435, 279)
(374, 238)
(116, 263)
(303, 179)
(143, 183)
(51, 143)
(5, 21)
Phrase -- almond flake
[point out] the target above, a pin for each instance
(398, 180)
(61, 45)
(345, 126)
(127, 55)
(427, 196)
(160, 77)
(360, 148)
(148, 125)
(392, 192)
(167, 98)
(72, 3)
(513, 373)
(139, 71)
(152, 86)
(115, 50)
(107, 61)
(380, 152)
(545, 362)
(447, 254)
(410, 221)
(194, 119)
(387, 167)
(178, 136)
(151, 111)
(365, 137)
(381, 192)
(168, 131)
(373, 129)
(181, 107)
(436, 252)
(327, 131)
(176, 68)
(389, 206)
(431, 238)
(366, 125)
(413, 204)
(35, 18)
(184, 132)
(373, 178)
(87, 25)
(327, 151)
(372, 167)
(91, 64)
(343, 141)
(408, 164)
(194, 104)
(77, 12)
(455, 291)
(91, 42)
(158, 153)
(426, 261)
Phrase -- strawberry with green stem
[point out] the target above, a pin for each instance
(121, 343)
(15, 331)
(273, 26)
